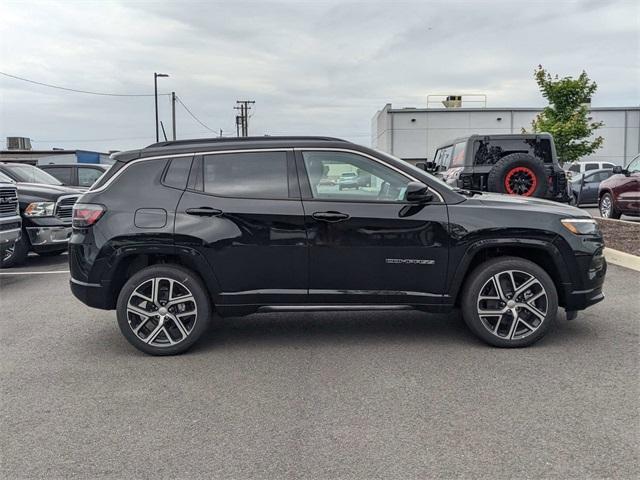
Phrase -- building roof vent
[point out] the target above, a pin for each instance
(18, 143)
(453, 101)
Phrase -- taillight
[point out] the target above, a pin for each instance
(86, 214)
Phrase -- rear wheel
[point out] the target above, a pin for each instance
(607, 208)
(509, 302)
(518, 174)
(163, 309)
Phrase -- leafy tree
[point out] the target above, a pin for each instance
(566, 117)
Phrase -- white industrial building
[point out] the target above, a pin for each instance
(414, 134)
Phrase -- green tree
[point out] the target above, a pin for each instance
(566, 117)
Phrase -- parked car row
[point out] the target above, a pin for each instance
(36, 210)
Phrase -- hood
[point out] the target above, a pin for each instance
(527, 204)
(36, 191)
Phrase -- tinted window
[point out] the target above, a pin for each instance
(347, 176)
(178, 172)
(608, 165)
(490, 151)
(247, 175)
(591, 166)
(574, 168)
(61, 173)
(88, 175)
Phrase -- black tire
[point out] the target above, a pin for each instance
(17, 255)
(507, 170)
(201, 300)
(607, 207)
(478, 280)
(573, 200)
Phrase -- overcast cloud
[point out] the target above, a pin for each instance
(313, 67)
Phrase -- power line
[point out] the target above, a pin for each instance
(80, 91)
(193, 116)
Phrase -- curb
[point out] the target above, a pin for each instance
(622, 259)
(616, 220)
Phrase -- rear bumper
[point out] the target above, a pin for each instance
(91, 294)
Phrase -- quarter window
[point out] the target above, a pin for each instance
(87, 176)
(247, 175)
(178, 172)
(347, 176)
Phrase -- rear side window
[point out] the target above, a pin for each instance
(178, 172)
(591, 166)
(61, 173)
(87, 176)
(574, 168)
(490, 151)
(246, 175)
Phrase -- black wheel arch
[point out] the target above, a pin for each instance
(541, 252)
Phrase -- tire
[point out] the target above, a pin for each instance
(498, 330)
(518, 174)
(17, 255)
(573, 200)
(607, 208)
(140, 293)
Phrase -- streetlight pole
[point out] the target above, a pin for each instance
(155, 89)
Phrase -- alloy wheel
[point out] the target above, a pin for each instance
(521, 181)
(605, 207)
(162, 312)
(8, 253)
(512, 304)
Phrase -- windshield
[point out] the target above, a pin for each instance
(416, 169)
(31, 174)
(5, 179)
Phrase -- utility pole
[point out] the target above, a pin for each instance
(242, 120)
(155, 90)
(173, 113)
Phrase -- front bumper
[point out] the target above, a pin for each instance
(10, 231)
(42, 236)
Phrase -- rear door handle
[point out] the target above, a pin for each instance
(330, 216)
(204, 212)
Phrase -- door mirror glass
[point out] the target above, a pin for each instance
(617, 169)
(418, 192)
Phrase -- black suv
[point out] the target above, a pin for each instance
(179, 229)
(517, 164)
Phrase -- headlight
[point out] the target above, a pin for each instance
(580, 226)
(40, 209)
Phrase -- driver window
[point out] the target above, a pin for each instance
(347, 176)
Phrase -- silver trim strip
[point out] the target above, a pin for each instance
(180, 155)
(320, 307)
(85, 284)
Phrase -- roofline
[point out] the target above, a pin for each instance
(58, 152)
(497, 109)
(264, 138)
(500, 135)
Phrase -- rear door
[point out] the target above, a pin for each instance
(367, 245)
(242, 211)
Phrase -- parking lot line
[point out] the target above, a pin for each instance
(33, 273)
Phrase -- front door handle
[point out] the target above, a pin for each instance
(204, 212)
(330, 216)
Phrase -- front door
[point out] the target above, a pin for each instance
(367, 245)
(243, 213)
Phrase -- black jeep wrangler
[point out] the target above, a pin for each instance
(517, 164)
(178, 230)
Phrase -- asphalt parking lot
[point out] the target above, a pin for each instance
(353, 395)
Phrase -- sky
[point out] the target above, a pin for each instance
(312, 67)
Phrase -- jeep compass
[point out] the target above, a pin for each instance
(179, 230)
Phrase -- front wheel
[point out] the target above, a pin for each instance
(163, 309)
(509, 302)
(607, 208)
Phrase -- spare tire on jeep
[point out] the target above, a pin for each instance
(518, 174)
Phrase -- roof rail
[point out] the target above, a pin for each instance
(265, 138)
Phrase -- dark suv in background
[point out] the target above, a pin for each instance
(46, 209)
(237, 226)
(517, 164)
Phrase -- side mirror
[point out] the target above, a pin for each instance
(430, 166)
(418, 192)
(618, 169)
